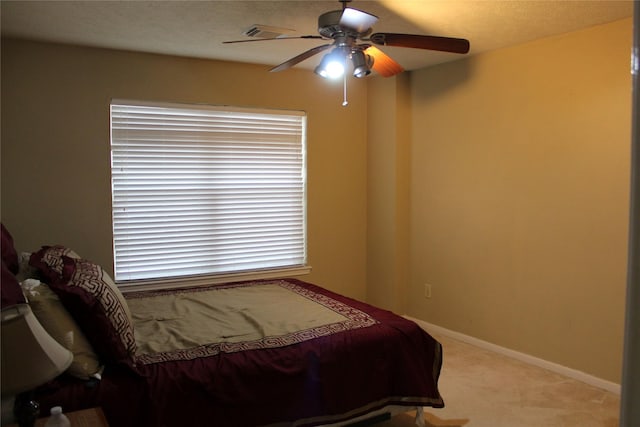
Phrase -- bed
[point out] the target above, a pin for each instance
(278, 352)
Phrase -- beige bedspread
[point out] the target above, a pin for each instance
(240, 314)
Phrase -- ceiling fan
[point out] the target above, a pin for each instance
(350, 29)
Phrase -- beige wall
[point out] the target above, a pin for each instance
(519, 196)
(55, 145)
(388, 183)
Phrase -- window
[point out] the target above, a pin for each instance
(203, 190)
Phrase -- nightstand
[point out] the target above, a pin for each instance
(93, 417)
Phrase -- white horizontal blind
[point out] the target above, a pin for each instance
(202, 190)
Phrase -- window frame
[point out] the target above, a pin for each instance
(136, 284)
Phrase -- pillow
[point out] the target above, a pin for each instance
(10, 292)
(26, 271)
(9, 254)
(48, 262)
(93, 299)
(53, 317)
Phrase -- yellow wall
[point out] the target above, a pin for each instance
(388, 161)
(519, 196)
(55, 145)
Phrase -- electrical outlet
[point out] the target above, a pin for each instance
(427, 290)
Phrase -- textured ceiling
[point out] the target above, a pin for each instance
(198, 28)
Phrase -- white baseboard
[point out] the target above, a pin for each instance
(532, 360)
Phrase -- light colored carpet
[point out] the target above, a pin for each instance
(485, 389)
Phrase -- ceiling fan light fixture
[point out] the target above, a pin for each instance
(362, 64)
(332, 65)
(350, 29)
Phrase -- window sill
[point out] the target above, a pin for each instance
(148, 285)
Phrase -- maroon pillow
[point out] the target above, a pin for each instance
(9, 254)
(49, 263)
(92, 299)
(10, 292)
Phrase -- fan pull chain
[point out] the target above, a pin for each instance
(344, 90)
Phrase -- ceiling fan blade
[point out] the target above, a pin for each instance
(296, 59)
(444, 44)
(357, 20)
(273, 38)
(382, 63)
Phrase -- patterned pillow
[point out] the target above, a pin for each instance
(94, 301)
(48, 261)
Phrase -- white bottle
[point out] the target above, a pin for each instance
(57, 418)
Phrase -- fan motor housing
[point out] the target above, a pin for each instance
(329, 26)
